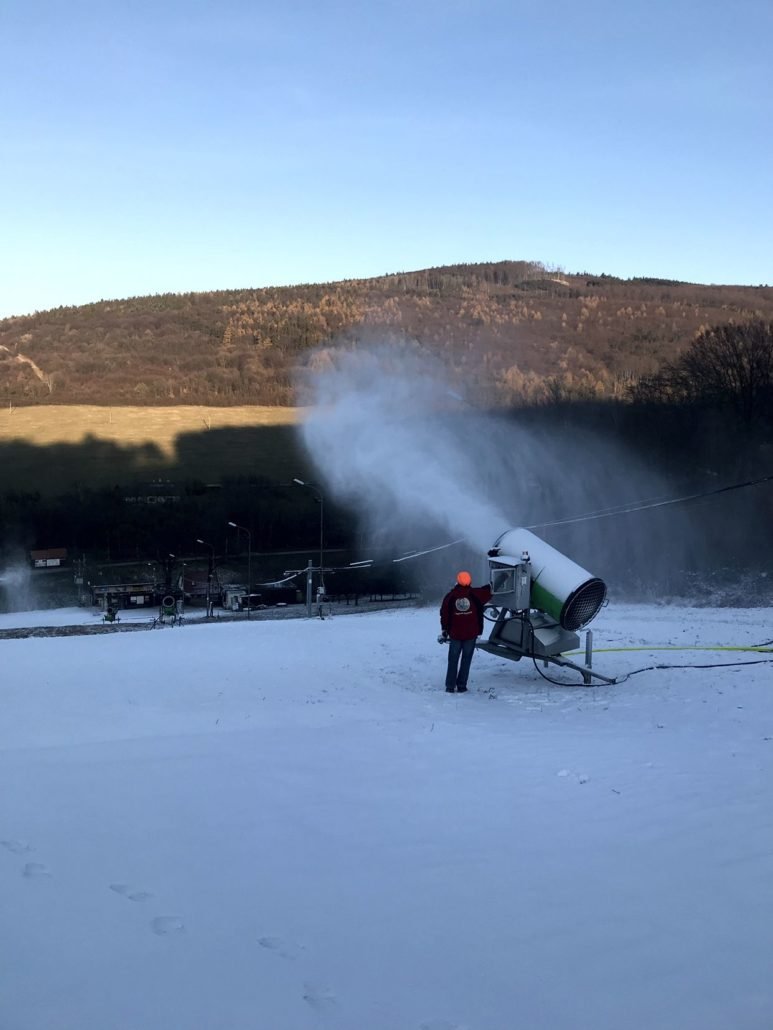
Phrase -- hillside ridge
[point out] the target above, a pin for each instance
(513, 331)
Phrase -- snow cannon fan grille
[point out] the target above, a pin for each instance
(583, 605)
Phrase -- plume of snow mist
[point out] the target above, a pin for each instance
(391, 438)
(16, 592)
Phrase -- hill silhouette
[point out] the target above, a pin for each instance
(515, 331)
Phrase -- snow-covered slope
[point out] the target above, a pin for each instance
(288, 825)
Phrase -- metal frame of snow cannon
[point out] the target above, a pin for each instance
(540, 598)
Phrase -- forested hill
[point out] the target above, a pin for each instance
(513, 330)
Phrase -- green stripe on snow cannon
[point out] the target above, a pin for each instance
(559, 587)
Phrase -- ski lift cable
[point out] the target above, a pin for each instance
(429, 550)
(279, 582)
(624, 507)
(645, 505)
(620, 509)
(614, 509)
(601, 513)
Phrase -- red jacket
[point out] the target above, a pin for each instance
(461, 613)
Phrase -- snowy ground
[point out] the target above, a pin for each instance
(285, 825)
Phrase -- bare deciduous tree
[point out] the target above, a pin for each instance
(727, 366)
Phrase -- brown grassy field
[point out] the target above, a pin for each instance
(51, 448)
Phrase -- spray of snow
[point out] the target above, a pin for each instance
(393, 438)
(16, 590)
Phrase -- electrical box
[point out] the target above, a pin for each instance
(511, 586)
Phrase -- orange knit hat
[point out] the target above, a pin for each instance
(463, 579)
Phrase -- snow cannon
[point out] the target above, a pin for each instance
(540, 599)
(558, 586)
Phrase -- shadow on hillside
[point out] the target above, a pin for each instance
(655, 552)
(272, 452)
(57, 468)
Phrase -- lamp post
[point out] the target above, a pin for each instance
(210, 570)
(318, 494)
(249, 567)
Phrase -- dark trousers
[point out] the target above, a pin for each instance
(457, 673)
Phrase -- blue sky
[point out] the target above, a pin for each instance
(167, 147)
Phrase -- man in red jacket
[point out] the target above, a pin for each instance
(461, 620)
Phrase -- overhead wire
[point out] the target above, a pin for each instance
(645, 505)
(626, 508)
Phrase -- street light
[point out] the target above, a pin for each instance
(249, 568)
(210, 570)
(318, 494)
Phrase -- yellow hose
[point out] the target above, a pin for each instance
(685, 647)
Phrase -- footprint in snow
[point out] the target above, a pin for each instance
(285, 949)
(18, 847)
(166, 926)
(319, 997)
(128, 892)
(35, 871)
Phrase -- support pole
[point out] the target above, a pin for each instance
(586, 676)
(321, 542)
(308, 588)
(249, 573)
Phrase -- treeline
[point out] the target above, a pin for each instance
(105, 527)
(112, 525)
(515, 332)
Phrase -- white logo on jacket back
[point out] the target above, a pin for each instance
(462, 605)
